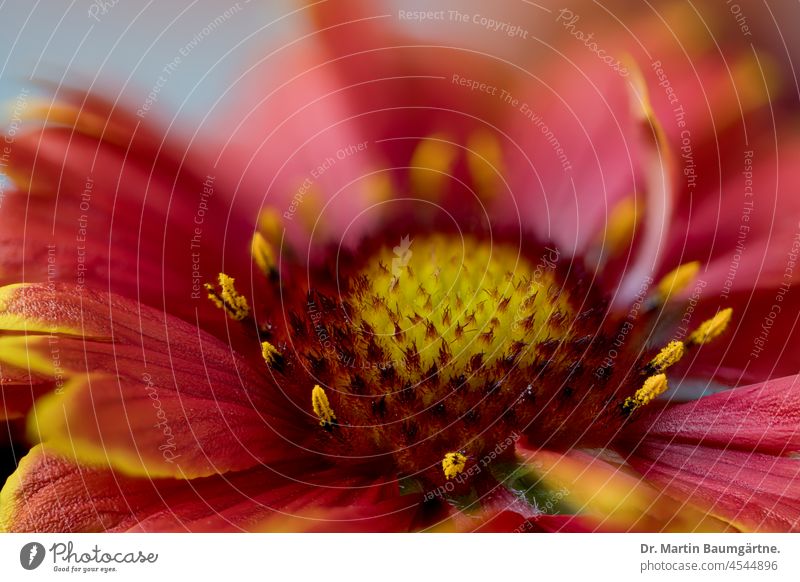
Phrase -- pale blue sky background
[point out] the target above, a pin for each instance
(131, 44)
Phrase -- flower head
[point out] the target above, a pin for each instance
(505, 343)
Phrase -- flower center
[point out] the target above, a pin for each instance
(434, 355)
(447, 349)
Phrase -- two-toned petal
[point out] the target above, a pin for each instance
(732, 454)
(143, 391)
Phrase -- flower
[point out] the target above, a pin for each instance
(490, 350)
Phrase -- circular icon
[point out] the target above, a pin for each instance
(31, 555)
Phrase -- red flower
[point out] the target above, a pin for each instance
(468, 302)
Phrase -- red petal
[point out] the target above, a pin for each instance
(720, 453)
(745, 240)
(147, 392)
(570, 186)
(403, 87)
(752, 491)
(17, 399)
(51, 493)
(760, 345)
(763, 418)
(123, 207)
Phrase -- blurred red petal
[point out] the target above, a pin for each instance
(760, 344)
(104, 199)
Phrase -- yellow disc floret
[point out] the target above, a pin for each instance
(453, 464)
(269, 353)
(322, 407)
(228, 298)
(668, 356)
(711, 328)
(263, 253)
(438, 294)
(677, 280)
(653, 387)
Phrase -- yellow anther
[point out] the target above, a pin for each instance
(322, 408)
(269, 353)
(668, 356)
(677, 280)
(263, 254)
(453, 464)
(711, 328)
(227, 298)
(270, 226)
(378, 187)
(757, 79)
(653, 387)
(310, 211)
(621, 225)
(485, 163)
(432, 161)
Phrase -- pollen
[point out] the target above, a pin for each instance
(322, 407)
(674, 282)
(472, 300)
(435, 342)
(453, 464)
(711, 328)
(668, 356)
(269, 353)
(653, 387)
(226, 297)
(263, 254)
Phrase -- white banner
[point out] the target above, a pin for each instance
(388, 557)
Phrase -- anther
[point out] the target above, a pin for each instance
(668, 356)
(263, 254)
(269, 353)
(453, 464)
(653, 387)
(431, 162)
(711, 328)
(322, 408)
(227, 298)
(677, 280)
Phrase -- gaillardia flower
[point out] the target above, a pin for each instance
(447, 312)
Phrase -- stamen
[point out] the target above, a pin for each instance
(310, 211)
(263, 254)
(759, 76)
(322, 408)
(485, 163)
(668, 356)
(653, 387)
(378, 187)
(711, 328)
(621, 225)
(270, 226)
(453, 464)
(227, 298)
(269, 353)
(677, 280)
(432, 161)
